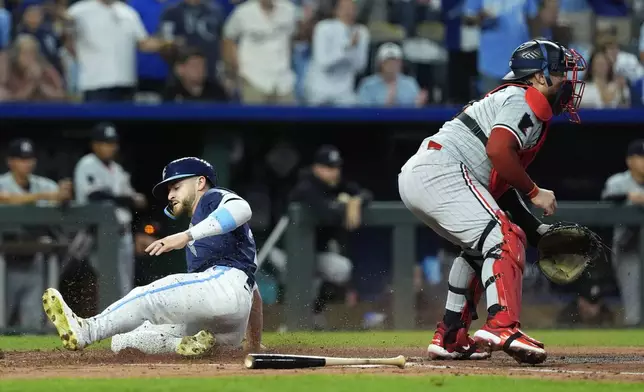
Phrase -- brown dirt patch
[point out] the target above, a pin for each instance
(615, 364)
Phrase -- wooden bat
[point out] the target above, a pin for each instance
(287, 361)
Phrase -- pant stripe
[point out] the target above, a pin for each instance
(220, 270)
(477, 195)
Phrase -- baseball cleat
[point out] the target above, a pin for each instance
(68, 325)
(463, 346)
(198, 344)
(513, 342)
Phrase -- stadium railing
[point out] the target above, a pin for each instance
(300, 243)
(101, 217)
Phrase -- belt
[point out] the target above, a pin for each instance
(473, 126)
(250, 279)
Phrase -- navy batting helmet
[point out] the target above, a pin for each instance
(551, 58)
(180, 169)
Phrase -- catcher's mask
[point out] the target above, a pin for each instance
(552, 58)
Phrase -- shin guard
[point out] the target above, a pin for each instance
(503, 274)
(465, 290)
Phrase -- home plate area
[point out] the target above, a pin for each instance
(616, 364)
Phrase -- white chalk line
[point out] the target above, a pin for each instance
(421, 365)
(525, 369)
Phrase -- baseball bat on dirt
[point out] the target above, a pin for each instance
(286, 361)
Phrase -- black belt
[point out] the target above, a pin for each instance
(473, 127)
(250, 278)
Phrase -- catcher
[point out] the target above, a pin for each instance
(453, 183)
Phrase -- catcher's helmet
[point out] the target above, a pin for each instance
(180, 169)
(551, 58)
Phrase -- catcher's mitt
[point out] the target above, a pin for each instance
(566, 250)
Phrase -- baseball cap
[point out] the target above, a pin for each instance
(328, 155)
(636, 147)
(21, 148)
(105, 132)
(389, 50)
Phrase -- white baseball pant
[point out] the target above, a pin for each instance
(439, 190)
(153, 318)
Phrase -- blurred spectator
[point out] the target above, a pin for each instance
(576, 16)
(628, 188)
(196, 23)
(547, 18)
(31, 77)
(547, 25)
(603, 90)
(641, 43)
(462, 43)
(25, 272)
(309, 16)
(625, 64)
(152, 68)
(257, 50)
(409, 13)
(390, 87)
(99, 179)
(104, 35)
(505, 24)
(337, 204)
(340, 52)
(70, 73)
(189, 82)
(5, 42)
(33, 24)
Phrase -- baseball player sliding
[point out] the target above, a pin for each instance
(453, 183)
(185, 313)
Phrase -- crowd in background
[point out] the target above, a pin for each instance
(306, 52)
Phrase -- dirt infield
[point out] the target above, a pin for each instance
(616, 364)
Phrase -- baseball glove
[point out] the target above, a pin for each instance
(566, 250)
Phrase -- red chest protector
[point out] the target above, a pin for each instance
(543, 111)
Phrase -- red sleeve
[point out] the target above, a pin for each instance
(502, 149)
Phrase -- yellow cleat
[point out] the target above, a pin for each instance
(192, 346)
(68, 325)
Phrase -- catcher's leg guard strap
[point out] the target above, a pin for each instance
(502, 274)
(486, 232)
(465, 291)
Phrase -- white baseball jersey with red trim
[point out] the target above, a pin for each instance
(506, 108)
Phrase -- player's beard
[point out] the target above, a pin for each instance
(187, 203)
(183, 206)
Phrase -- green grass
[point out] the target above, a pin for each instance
(402, 339)
(315, 383)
